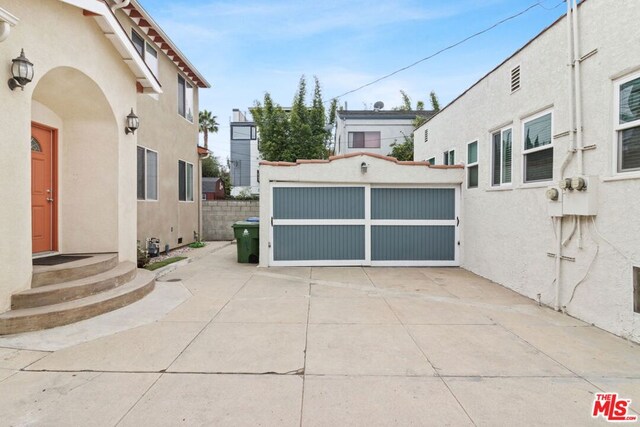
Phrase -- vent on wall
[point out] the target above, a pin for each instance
(426, 135)
(515, 79)
(179, 240)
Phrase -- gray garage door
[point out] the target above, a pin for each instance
(363, 225)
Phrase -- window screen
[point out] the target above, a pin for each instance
(182, 182)
(141, 173)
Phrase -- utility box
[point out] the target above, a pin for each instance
(582, 202)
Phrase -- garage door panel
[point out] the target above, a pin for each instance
(413, 243)
(413, 203)
(318, 242)
(318, 203)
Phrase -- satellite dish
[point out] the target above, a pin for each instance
(378, 106)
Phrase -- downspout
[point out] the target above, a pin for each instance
(572, 119)
(578, 87)
(5, 29)
(120, 4)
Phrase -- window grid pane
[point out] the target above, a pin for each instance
(152, 175)
(371, 139)
(182, 185)
(473, 177)
(472, 152)
(496, 159)
(538, 166)
(630, 101)
(506, 156)
(189, 182)
(141, 173)
(537, 132)
(181, 95)
(629, 149)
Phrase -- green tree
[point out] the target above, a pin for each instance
(403, 151)
(435, 104)
(207, 124)
(298, 134)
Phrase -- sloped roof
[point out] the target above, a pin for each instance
(209, 185)
(112, 30)
(141, 17)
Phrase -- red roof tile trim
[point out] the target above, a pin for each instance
(377, 156)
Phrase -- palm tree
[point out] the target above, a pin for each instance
(207, 123)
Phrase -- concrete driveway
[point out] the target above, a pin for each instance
(327, 346)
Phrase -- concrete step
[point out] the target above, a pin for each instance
(44, 275)
(37, 318)
(75, 289)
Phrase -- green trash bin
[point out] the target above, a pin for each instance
(248, 241)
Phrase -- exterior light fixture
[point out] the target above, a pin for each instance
(363, 167)
(132, 123)
(22, 72)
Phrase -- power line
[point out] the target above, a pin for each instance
(393, 73)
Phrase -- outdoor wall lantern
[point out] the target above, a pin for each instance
(22, 72)
(132, 123)
(363, 167)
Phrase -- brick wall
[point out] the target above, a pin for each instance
(219, 215)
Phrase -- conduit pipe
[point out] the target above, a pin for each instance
(573, 230)
(5, 29)
(558, 262)
(578, 86)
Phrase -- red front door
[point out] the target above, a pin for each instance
(42, 189)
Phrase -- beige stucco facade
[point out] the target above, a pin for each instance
(508, 234)
(87, 78)
(174, 138)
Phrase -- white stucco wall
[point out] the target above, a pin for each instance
(391, 130)
(344, 171)
(75, 42)
(507, 231)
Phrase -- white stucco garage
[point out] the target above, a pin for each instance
(359, 209)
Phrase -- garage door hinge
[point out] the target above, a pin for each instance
(272, 221)
(457, 221)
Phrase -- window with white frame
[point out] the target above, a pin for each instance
(472, 164)
(146, 51)
(538, 148)
(147, 176)
(185, 181)
(364, 139)
(627, 125)
(501, 157)
(449, 157)
(185, 98)
(432, 161)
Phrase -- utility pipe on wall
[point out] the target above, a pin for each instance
(558, 261)
(578, 87)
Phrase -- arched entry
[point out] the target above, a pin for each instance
(75, 199)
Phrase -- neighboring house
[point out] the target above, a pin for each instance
(168, 181)
(212, 189)
(70, 158)
(527, 140)
(244, 154)
(373, 131)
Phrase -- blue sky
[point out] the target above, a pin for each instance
(246, 48)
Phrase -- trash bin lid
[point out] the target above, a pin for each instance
(253, 219)
(245, 224)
